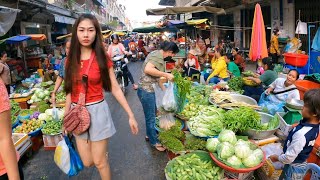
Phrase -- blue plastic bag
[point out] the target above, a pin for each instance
(76, 164)
(316, 41)
(270, 106)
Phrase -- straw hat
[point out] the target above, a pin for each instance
(193, 52)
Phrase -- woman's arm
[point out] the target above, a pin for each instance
(7, 150)
(256, 80)
(150, 69)
(68, 103)
(118, 94)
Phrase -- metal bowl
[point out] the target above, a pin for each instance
(261, 134)
(294, 103)
(238, 97)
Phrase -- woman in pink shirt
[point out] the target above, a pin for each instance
(8, 156)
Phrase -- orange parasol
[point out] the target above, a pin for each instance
(258, 46)
(37, 37)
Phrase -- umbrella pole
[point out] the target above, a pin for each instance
(24, 60)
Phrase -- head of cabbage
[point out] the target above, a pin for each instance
(242, 150)
(258, 153)
(234, 162)
(212, 144)
(251, 161)
(227, 136)
(225, 150)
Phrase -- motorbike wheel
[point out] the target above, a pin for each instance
(121, 83)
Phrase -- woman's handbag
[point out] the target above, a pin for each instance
(77, 120)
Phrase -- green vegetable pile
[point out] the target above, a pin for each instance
(242, 118)
(248, 73)
(14, 107)
(193, 167)
(52, 127)
(199, 95)
(235, 153)
(207, 123)
(194, 143)
(13, 119)
(61, 97)
(190, 110)
(236, 84)
(273, 124)
(172, 138)
(183, 86)
(25, 112)
(42, 106)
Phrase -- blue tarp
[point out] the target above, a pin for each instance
(17, 39)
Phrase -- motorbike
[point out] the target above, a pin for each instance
(133, 55)
(118, 65)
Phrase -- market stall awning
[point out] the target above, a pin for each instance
(17, 39)
(151, 29)
(182, 10)
(105, 31)
(196, 21)
(65, 36)
(37, 37)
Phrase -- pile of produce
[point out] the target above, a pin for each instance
(61, 97)
(193, 143)
(48, 115)
(190, 110)
(14, 119)
(172, 138)
(241, 119)
(165, 122)
(29, 126)
(25, 114)
(193, 166)
(236, 84)
(46, 84)
(207, 123)
(235, 153)
(42, 106)
(52, 127)
(39, 95)
(224, 100)
(14, 107)
(35, 115)
(248, 73)
(183, 86)
(199, 95)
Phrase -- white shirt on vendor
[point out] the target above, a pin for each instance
(278, 85)
(116, 49)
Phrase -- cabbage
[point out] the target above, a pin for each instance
(46, 92)
(234, 161)
(258, 153)
(212, 144)
(242, 150)
(251, 161)
(225, 150)
(243, 142)
(227, 136)
(49, 112)
(60, 114)
(42, 116)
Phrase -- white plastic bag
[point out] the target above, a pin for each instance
(62, 156)
(274, 148)
(169, 103)
(166, 121)
(159, 93)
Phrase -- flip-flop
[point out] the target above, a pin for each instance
(147, 138)
(159, 147)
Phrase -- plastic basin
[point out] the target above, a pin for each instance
(305, 85)
(296, 59)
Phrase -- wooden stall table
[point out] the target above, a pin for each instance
(23, 101)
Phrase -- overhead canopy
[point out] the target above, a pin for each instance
(196, 21)
(151, 29)
(182, 10)
(17, 39)
(64, 36)
(37, 37)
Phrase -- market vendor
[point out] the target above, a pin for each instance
(219, 66)
(152, 69)
(49, 74)
(8, 155)
(274, 46)
(238, 59)
(191, 65)
(5, 71)
(300, 141)
(284, 89)
(263, 81)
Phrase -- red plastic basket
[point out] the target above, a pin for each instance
(293, 59)
(240, 170)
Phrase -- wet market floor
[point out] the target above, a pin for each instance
(131, 157)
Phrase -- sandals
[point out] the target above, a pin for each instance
(147, 138)
(134, 86)
(159, 147)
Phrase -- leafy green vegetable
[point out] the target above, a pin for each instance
(236, 84)
(273, 123)
(227, 136)
(225, 150)
(248, 73)
(14, 107)
(242, 118)
(183, 86)
(172, 138)
(52, 127)
(234, 161)
(212, 144)
(194, 143)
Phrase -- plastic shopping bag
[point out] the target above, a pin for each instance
(76, 164)
(159, 93)
(169, 103)
(271, 149)
(166, 121)
(62, 156)
(270, 106)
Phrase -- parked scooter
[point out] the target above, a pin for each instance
(118, 65)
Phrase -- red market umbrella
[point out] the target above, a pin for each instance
(258, 45)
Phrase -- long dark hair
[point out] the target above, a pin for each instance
(268, 62)
(72, 65)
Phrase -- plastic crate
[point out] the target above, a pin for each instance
(284, 128)
(239, 176)
(51, 141)
(267, 171)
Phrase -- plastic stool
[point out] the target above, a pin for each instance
(315, 171)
